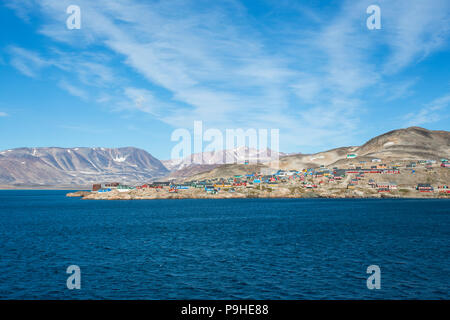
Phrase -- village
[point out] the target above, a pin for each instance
(365, 179)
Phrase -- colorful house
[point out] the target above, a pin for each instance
(424, 187)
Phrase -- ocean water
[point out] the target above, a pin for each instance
(222, 249)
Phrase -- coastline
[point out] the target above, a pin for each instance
(84, 195)
(44, 187)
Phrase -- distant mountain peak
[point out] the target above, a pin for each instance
(227, 156)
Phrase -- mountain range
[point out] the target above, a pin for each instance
(77, 166)
(205, 161)
(84, 166)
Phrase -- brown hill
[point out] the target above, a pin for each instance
(412, 143)
(191, 170)
(228, 170)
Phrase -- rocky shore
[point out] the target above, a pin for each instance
(78, 194)
(240, 193)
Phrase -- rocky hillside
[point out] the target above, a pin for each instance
(77, 166)
(190, 170)
(412, 143)
(198, 163)
(227, 170)
(236, 155)
(83, 166)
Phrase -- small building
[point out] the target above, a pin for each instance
(210, 189)
(339, 173)
(124, 188)
(281, 173)
(392, 186)
(161, 183)
(111, 185)
(391, 171)
(424, 187)
(411, 165)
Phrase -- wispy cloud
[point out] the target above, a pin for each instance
(85, 129)
(416, 30)
(214, 65)
(86, 68)
(3, 114)
(27, 62)
(432, 112)
(142, 100)
(399, 90)
(73, 90)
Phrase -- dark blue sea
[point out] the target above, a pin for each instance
(222, 249)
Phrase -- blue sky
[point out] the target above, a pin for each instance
(138, 70)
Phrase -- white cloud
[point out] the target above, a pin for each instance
(85, 129)
(73, 90)
(143, 100)
(414, 30)
(27, 62)
(307, 90)
(213, 65)
(432, 112)
(22, 8)
(3, 114)
(400, 90)
(89, 69)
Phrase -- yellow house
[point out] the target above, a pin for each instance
(223, 186)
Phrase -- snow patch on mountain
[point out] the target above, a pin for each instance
(228, 156)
